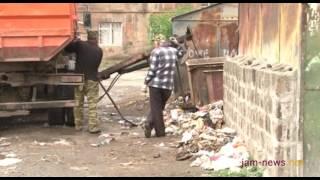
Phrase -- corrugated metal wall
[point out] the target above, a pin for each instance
(271, 32)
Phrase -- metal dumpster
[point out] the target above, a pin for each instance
(205, 80)
(215, 34)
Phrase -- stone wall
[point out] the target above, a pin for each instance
(261, 102)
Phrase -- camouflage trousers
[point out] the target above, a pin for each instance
(91, 90)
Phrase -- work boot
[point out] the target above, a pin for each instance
(78, 128)
(94, 130)
(147, 131)
(160, 134)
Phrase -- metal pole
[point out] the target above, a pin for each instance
(115, 106)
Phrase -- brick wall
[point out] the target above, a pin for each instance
(261, 104)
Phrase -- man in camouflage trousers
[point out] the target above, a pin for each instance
(89, 56)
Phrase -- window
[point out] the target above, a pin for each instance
(110, 34)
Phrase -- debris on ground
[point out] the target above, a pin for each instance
(104, 139)
(135, 134)
(2, 139)
(157, 155)
(75, 168)
(127, 164)
(3, 142)
(204, 139)
(160, 145)
(51, 158)
(8, 159)
(57, 142)
(35, 142)
(62, 142)
(9, 170)
(125, 133)
(140, 143)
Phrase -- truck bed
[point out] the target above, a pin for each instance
(32, 32)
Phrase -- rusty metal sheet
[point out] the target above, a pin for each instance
(254, 30)
(229, 38)
(215, 32)
(206, 40)
(204, 89)
(209, 26)
(243, 28)
(290, 34)
(270, 32)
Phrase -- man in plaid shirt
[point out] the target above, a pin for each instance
(160, 79)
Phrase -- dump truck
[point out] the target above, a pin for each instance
(36, 75)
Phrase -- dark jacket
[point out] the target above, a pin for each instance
(89, 56)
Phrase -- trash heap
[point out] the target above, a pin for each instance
(210, 146)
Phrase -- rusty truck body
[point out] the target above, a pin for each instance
(35, 73)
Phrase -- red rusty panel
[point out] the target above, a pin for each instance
(270, 31)
(205, 38)
(243, 28)
(201, 88)
(215, 85)
(207, 25)
(254, 30)
(228, 39)
(290, 33)
(215, 33)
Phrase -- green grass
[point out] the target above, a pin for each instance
(244, 172)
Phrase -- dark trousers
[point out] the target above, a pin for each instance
(158, 99)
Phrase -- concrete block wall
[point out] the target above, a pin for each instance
(261, 104)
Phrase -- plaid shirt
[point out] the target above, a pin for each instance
(162, 67)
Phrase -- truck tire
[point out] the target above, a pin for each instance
(63, 116)
(56, 116)
(69, 117)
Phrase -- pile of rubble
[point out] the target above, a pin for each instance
(203, 138)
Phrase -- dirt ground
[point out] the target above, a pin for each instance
(130, 154)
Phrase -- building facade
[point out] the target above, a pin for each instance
(123, 27)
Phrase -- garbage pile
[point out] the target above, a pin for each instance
(178, 121)
(204, 140)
